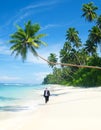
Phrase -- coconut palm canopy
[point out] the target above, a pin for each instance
(89, 11)
(27, 39)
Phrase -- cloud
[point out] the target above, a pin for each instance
(34, 9)
(8, 78)
(28, 11)
(21, 17)
(50, 26)
(35, 60)
(3, 48)
(40, 76)
(34, 6)
(25, 13)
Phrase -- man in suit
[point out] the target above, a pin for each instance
(46, 95)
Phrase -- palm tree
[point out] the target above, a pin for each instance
(52, 58)
(90, 47)
(67, 46)
(83, 56)
(64, 53)
(95, 35)
(99, 22)
(75, 57)
(64, 56)
(89, 11)
(24, 40)
(72, 36)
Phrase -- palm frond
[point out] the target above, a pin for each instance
(35, 44)
(40, 36)
(41, 42)
(31, 29)
(15, 41)
(33, 51)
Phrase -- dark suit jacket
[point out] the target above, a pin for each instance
(48, 93)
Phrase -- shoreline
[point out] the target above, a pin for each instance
(69, 108)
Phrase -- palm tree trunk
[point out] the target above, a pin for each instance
(73, 65)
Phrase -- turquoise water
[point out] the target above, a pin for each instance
(14, 97)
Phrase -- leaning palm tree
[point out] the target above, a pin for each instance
(89, 11)
(24, 40)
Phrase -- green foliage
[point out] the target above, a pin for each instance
(87, 78)
(90, 47)
(49, 79)
(52, 59)
(83, 77)
(98, 22)
(72, 36)
(89, 11)
(95, 35)
(27, 39)
(75, 52)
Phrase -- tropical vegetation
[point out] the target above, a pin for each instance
(80, 64)
(75, 52)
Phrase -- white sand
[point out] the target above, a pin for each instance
(68, 109)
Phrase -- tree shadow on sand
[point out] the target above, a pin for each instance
(59, 94)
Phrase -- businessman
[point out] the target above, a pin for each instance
(46, 95)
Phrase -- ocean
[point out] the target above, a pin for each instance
(20, 97)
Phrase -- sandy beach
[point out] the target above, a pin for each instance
(68, 109)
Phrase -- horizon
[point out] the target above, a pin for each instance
(54, 17)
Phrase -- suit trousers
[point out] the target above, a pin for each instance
(46, 99)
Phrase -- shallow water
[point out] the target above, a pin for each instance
(19, 97)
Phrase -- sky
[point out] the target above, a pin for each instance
(54, 18)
